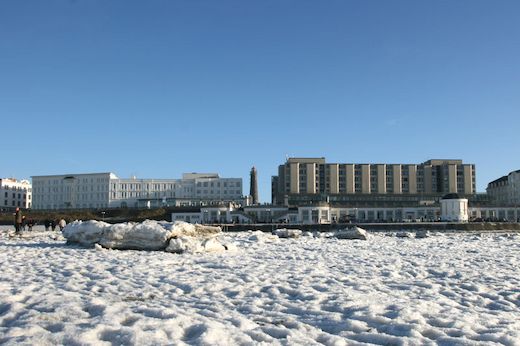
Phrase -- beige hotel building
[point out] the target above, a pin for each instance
(302, 181)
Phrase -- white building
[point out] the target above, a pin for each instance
(505, 190)
(454, 208)
(15, 193)
(318, 214)
(323, 214)
(514, 188)
(509, 214)
(106, 190)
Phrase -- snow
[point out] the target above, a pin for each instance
(460, 289)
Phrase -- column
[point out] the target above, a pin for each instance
(334, 178)
(428, 179)
(311, 178)
(365, 178)
(452, 178)
(468, 179)
(412, 179)
(381, 179)
(398, 185)
(294, 173)
(350, 178)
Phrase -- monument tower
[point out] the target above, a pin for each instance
(253, 190)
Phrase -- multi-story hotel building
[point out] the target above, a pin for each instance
(14, 193)
(106, 190)
(505, 190)
(302, 181)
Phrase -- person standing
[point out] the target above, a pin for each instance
(61, 224)
(18, 217)
(47, 224)
(30, 224)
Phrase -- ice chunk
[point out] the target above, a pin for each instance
(185, 244)
(148, 235)
(422, 234)
(287, 233)
(86, 233)
(404, 235)
(352, 233)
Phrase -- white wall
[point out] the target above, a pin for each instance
(15, 193)
(454, 210)
(72, 191)
(106, 190)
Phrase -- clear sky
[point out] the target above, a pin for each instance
(158, 88)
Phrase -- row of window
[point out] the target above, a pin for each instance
(16, 188)
(59, 181)
(15, 204)
(20, 196)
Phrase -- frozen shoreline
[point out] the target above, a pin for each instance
(443, 289)
(387, 227)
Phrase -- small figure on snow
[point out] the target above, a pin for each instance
(30, 224)
(18, 218)
(62, 223)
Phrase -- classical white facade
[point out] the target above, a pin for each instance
(514, 188)
(505, 190)
(106, 190)
(15, 193)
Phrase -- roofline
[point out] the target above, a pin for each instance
(70, 174)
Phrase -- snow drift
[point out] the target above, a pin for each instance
(352, 233)
(175, 237)
(288, 233)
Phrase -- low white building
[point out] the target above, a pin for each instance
(212, 215)
(319, 214)
(509, 214)
(454, 208)
(455, 211)
(106, 190)
(15, 193)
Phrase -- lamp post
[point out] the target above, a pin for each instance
(103, 215)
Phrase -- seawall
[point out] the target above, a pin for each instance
(382, 227)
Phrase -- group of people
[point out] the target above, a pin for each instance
(51, 224)
(20, 222)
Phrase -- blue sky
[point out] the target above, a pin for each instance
(158, 88)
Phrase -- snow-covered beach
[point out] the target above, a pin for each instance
(445, 289)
